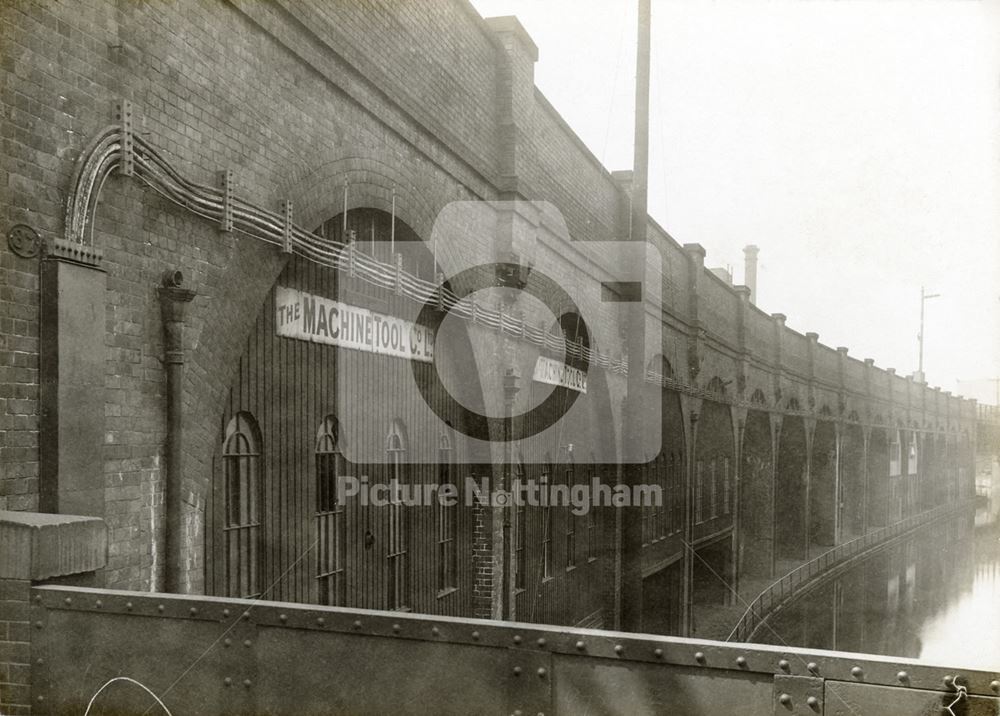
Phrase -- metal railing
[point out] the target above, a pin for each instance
(789, 585)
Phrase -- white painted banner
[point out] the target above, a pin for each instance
(306, 317)
(555, 372)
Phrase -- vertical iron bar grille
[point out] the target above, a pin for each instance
(546, 521)
(592, 513)
(330, 522)
(570, 518)
(726, 488)
(646, 510)
(713, 501)
(699, 493)
(241, 465)
(398, 593)
(676, 463)
(446, 520)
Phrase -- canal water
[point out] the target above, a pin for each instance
(934, 597)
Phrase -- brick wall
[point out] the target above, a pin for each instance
(15, 647)
(390, 95)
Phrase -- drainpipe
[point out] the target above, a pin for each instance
(173, 302)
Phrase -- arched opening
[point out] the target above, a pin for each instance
(878, 478)
(713, 561)
(756, 542)
(663, 525)
(321, 404)
(790, 490)
(851, 485)
(823, 486)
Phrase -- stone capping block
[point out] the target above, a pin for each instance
(36, 545)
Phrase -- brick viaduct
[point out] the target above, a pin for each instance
(431, 104)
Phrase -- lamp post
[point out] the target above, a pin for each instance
(920, 336)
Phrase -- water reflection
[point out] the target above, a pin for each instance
(935, 597)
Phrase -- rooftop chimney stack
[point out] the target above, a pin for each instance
(750, 271)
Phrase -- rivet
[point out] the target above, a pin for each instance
(580, 646)
(783, 665)
(949, 680)
(38, 599)
(517, 639)
(395, 628)
(193, 610)
(227, 681)
(160, 607)
(225, 612)
(812, 702)
(357, 624)
(283, 618)
(246, 683)
(619, 649)
(541, 641)
(517, 671)
(903, 676)
(68, 600)
(699, 656)
(246, 643)
(39, 660)
(38, 625)
(857, 673)
(475, 636)
(435, 631)
(40, 699)
(995, 686)
(320, 620)
(785, 699)
(128, 605)
(246, 615)
(541, 671)
(812, 667)
(227, 642)
(741, 661)
(658, 653)
(98, 604)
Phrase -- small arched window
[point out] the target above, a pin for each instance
(520, 527)
(545, 484)
(241, 452)
(447, 517)
(570, 473)
(397, 552)
(330, 522)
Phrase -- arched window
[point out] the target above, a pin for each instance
(241, 449)
(593, 516)
(397, 556)
(447, 517)
(330, 523)
(545, 481)
(520, 527)
(713, 483)
(569, 471)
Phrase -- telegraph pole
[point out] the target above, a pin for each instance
(636, 338)
(920, 336)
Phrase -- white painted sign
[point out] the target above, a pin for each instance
(306, 317)
(556, 372)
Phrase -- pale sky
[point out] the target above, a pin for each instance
(856, 143)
